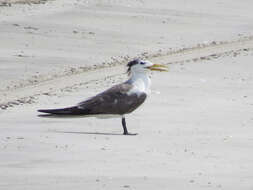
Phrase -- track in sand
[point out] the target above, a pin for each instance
(28, 91)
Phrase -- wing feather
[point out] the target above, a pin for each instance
(113, 101)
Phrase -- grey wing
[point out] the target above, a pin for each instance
(113, 101)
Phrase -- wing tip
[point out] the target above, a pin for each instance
(63, 111)
(43, 110)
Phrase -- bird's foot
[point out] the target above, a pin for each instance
(126, 133)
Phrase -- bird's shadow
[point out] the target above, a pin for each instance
(86, 133)
(75, 132)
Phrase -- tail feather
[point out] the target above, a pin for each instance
(66, 111)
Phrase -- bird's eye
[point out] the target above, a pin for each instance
(142, 63)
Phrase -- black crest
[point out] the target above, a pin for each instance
(132, 63)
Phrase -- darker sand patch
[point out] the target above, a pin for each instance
(29, 2)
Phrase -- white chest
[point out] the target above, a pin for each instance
(141, 84)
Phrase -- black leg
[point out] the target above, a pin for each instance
(125, 128)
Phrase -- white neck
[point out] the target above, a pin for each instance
(141, 82)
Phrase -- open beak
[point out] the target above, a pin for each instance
(158, 67)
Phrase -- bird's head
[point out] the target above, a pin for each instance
(140, 66)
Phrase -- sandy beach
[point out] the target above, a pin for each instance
(194, 130)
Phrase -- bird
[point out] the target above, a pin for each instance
(120, 99)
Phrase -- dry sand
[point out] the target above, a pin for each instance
(195, 130)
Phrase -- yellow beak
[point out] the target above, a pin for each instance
(158, 67)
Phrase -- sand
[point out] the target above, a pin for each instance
(194, 131)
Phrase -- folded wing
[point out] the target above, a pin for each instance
(115, 100)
